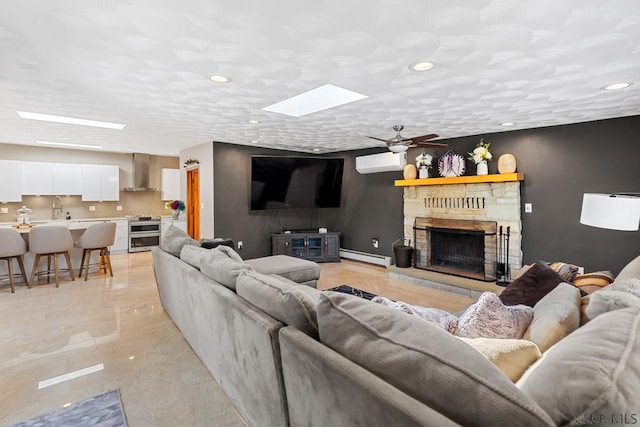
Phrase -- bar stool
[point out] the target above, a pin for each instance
(97, 237)
(12, 245)
(50, 240)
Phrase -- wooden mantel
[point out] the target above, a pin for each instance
(470, 179)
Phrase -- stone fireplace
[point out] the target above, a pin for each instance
(455, 227)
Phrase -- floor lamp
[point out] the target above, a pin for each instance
(617, 211)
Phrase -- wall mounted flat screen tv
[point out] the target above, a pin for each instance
(295, 182)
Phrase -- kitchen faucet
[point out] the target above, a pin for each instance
(56, 210)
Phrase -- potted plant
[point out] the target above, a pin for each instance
(423, 163)
(481, 155)
(176, 207)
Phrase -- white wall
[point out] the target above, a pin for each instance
(204, 154)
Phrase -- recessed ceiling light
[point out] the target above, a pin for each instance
(316, 149)
(314, 100)
(68, 144)
(616, 86)
(508, 124)
(254, 141)
(132, 357)
(69, 120)
(66, 405)
(253, 122)
(220, 79)
(421, 66)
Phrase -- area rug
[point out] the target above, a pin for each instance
(103, 410)
(345, 289)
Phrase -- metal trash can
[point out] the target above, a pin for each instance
(404, 256)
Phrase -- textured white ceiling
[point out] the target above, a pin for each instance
(146, 63)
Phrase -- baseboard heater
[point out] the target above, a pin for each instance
(382, 260)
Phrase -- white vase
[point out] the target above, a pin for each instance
(175, 214)
(482, 168)
(423, 172)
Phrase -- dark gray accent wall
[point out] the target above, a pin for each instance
(560, 163)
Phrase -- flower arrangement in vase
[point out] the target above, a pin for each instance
(423, 163)
(481, 155)
(176, 207)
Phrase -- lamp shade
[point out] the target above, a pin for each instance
(612, 211)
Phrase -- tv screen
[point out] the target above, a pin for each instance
(295, 182)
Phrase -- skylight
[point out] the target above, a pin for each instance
(321, 98)
(69, 120)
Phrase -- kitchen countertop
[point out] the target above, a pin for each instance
(65, 221)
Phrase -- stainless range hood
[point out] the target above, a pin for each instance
(140, 173)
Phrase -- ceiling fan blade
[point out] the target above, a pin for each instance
(380, 139)
(424, 137)
(430, 144)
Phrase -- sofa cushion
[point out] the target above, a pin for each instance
(424, 361)
(531, 286)
(599, 370)
(620, 294)
(296, 269)
(221, 268)
(511, 356)
(226, 250)
(192, 255)
(174, 239)
(555, 316)
(489, 318)
(631, 270)
(289, 302)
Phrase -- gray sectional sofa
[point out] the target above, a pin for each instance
(289, 354)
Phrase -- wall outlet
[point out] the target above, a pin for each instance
(4, 210)
(374, 242)
(118, 208)
(240, 244)
(580, 270)
(92, 208)
(528, 207)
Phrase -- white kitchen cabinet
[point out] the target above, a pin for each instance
(100, 183)
(67, 179)
(121, 244)
(110, 180)
(11, 181)
(165, 223)
(170, 184)
(37, 178)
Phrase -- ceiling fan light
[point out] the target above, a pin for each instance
(398, 148)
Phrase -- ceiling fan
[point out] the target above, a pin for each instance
(399, 144)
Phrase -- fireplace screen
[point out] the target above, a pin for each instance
(459, 247)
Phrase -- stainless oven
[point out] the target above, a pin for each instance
(144, 233)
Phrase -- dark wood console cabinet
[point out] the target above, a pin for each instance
(314, 246)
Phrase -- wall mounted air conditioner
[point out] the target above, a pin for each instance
(383, 162)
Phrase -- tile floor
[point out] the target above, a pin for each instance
(118, 322)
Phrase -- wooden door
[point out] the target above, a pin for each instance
(193, 203)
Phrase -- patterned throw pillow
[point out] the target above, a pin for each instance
(567, 271)
(441, 318)
(591, 282)
(490, 318)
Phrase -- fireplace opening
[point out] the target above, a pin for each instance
(460, 247)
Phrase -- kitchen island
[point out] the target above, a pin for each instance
(76, 228)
